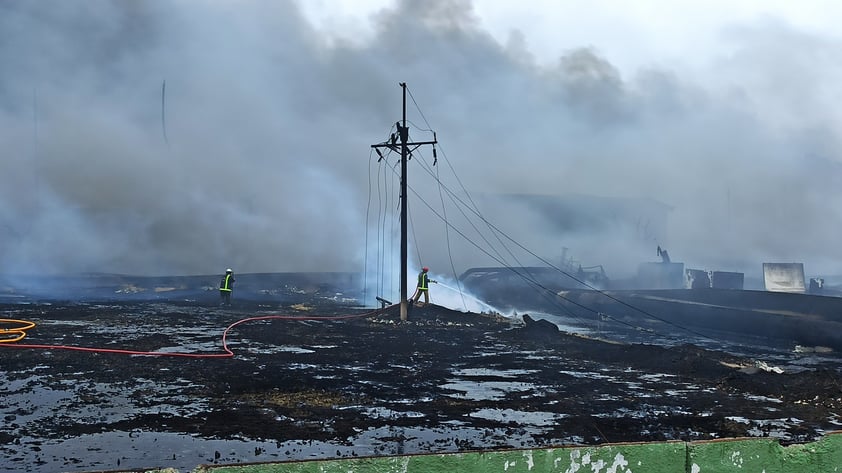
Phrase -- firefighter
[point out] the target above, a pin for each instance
(226, 287)
(422, 288)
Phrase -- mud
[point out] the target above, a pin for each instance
(369, 384)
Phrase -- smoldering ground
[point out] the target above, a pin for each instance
(366, 384)
(257, 154)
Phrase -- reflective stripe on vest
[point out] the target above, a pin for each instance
(225, 287)
(422, 281)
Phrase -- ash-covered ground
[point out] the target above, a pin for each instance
(367, 383)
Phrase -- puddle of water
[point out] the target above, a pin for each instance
(385, 413)
(484, 391)
(585, 374)
(751, 397)
(33, 399)
(271, 350)
(774, 428)
(143, 449)
(519, 417)
(492, 372)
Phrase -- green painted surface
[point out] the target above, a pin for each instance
(766, 456)
(731, 456)
(624, 458)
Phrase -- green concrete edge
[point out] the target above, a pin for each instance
(764, 455)
(652, 457)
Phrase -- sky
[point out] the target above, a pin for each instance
(168, 137)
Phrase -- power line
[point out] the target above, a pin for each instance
(447, 238)
(163, 111)
(399, 141)
(497, 231)
(405, 144)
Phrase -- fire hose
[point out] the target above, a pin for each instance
(19, 333)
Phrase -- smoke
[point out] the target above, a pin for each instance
(269, 120)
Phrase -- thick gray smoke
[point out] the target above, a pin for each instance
(259, 159)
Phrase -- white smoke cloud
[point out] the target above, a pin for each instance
(269, 122)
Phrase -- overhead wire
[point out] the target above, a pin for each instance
(388, 225)
(384, 229)
(521, 271)
(163, 112)
(383, 224)
(415, 244)
(584, 283)
(465, 190)
(500, 258)
(544, 291)
(497, 231)
(526, 277)
(449, 224)
(395, 226)
(380, 237)
(410, 223)
(479, 232)
(387, 218)
(367, 212)
(441, 198)
(447, 238)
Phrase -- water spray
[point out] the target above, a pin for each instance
(484, 306)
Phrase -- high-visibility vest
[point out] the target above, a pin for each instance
(423, 281)
(226, 284)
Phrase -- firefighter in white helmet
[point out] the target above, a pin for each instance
(226, 287)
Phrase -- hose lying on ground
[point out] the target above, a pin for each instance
(20, 332)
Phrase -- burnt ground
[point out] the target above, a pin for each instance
(443, 381)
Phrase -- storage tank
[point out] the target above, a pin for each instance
(727, 280)
(660, 276)
(784, 277)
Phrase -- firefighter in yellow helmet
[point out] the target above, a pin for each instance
(423, 287)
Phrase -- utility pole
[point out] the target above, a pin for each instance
(392, 144)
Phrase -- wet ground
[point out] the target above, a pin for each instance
(301, 386)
